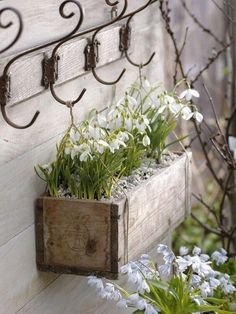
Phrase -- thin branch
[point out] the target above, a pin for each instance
(204, 29)
(206, 227)
(211, 210)
(211, 61)
(222, 11)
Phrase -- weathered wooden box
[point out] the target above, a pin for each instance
(92, 237)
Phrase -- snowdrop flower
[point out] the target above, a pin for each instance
(175, 108)
(162, 248)
(72, 150)
(196, 280)
(85, 151)
(123, 136)
(147, 84)
(110, 293)
(168, 255)
(115, 145)
(128, 123)
(206, 289)
(143, 286)
(168, 100)
(214, 283)
(165, 271)
(141, 304)
(183, 263)
(47, 167)
(220, 257)
(133, 299)
(187, 113)
(188, 94)
(95, 282)
(74, 135)
(196, 251)
(146, 141)
(102, 121)
(100, 146)
(94, 132)
(132, 101)
(122, 304)
(198, 116)
(226, 284)
(142, 123)
(183, 250)
(150, 310)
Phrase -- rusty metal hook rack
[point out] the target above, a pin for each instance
(125, 38)
(50, 65)
(8, 25)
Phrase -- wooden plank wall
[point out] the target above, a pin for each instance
(22, 288)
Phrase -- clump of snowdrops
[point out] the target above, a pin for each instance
(92, 156)
(184, 284)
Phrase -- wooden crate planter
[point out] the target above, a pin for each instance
(95, 237)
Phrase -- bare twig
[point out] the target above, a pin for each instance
(204, 29)
(210, 62)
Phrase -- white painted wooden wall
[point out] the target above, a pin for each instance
(22, 288)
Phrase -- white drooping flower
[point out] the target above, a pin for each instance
(206, 289)
(189, 93)
(183, 250)
(74, 135)
(95, 282)
(102, 120)
(85, 152)
(226, 284)
(196, 250)
(169, 100)
(165, 271)
(142, 123)
(110, 293)
(146, 141)
(47, 167)
(220, 257)
(175, 108)
(182, 263)
(72, 150)
(100, 146)
(122, 304)
(187, 113)
(198, 116)
(116, 144)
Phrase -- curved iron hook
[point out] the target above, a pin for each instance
(14, 125)
(7, 67)
(108, 2)
(126, 48)
(64, 102)
(94, 38)
(17, 13)
(54, 52)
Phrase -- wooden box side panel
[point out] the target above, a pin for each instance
(157, 206)
(77, 235)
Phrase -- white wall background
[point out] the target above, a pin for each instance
(22, 288)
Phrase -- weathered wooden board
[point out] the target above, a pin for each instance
(28, 70)
(20, 281)
(82, 237)
(43, 23)
(71, 294)
(54, 118)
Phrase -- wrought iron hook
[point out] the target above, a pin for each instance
(5, 85)
(14, 125)
(53, 66)
(125, 37)
(20, 30)
(94, 39)
(64, 102)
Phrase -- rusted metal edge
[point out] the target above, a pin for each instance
(39, 232)
(114, 239)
